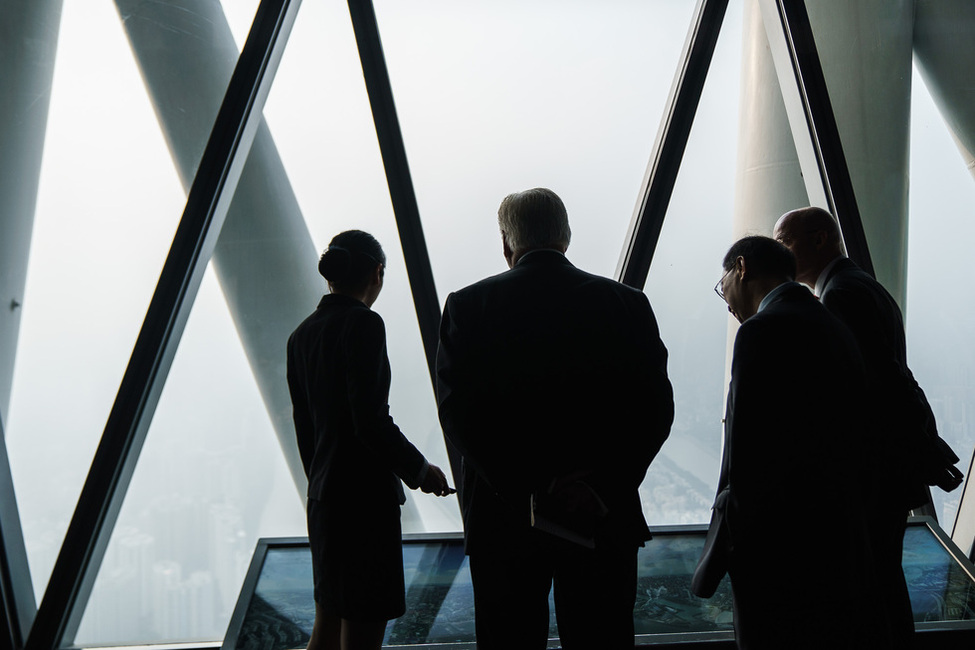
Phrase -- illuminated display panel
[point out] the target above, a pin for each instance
(276, 610)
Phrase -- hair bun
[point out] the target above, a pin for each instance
(335, 263)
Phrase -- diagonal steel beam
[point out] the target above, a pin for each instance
(111, 470)
(29, 32)
(668, 150)
(398, 176)
(265, 260)
(16, 590)
(401, 191)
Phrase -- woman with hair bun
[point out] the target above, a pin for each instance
(355, 456)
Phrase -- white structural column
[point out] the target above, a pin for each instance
(768, 180)
(28, 42)
(944, 50)
(865, 50)
(265, 259)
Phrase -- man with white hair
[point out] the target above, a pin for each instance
(552, 384)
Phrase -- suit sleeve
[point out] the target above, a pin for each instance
(637, 424)
(745, 404)
(460, 398)
(368, 390)
(304, 429)
(879, 336)
(656, 383)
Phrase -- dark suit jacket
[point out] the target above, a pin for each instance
(790, 488)
(338, 374)
(545, 371)
(897, 403)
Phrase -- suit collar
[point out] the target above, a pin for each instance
(542, 256)
(339, 299)
(841, 263)
(779, 293)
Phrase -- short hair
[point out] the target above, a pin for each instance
(351, 257)
(765, 257)
(534, 219)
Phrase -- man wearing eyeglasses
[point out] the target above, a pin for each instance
(786, 524)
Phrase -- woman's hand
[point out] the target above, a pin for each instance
(436, 483)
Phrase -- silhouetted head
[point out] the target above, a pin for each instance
(353, 264)
(813, 237)
(531, 220)
(753, 266)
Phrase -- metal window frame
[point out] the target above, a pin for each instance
(85, 542)
(668, 151)
(398, 177)
(810, 112)
(401, 192)
(963, 526)
(16, 589)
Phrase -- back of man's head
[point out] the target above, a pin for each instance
(813, 236)
(763, 256)
(534, 219)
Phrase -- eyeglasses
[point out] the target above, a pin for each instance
(719, 287)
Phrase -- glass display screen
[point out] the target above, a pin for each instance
(276, 610)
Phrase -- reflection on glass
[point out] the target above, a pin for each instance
(664, 602)
(440, 601)
(282, 607)
(940, 589)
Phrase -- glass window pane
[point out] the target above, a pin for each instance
(940, 311)
(210, 481)
(108, 205)
(109, 202)
(319, 114)
(503, 96)
(694, 323)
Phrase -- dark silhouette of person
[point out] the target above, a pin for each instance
(898, 407)
(552, 384)
(787, 524)
(355, 456)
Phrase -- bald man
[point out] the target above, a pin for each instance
(896, 403)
